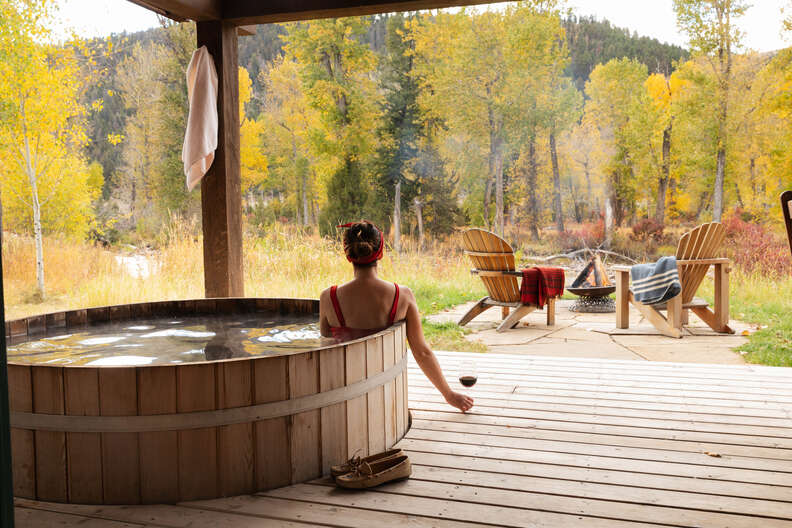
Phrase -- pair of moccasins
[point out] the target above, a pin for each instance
(359, 473)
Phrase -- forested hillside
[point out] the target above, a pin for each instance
(129, 69)
(427, 121)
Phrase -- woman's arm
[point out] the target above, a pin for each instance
(324, 324)
(426, 359)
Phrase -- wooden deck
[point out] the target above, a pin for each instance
(550, 442)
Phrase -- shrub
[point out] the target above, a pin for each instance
(647, 229)
(754, 248)
(587, 235)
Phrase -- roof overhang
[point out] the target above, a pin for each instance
(249, 12)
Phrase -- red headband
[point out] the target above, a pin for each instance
(371, 258)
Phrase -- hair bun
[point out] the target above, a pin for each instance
(361, 240)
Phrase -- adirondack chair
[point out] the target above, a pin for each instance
(786, 209)
(493, 260)
(695, 253)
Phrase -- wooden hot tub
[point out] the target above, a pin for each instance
(169, 433)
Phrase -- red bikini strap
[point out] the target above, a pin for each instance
(392, 316)
(336, 306)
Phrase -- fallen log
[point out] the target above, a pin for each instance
(572, 255)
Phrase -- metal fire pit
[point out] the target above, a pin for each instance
(594, 291)
(592, 299)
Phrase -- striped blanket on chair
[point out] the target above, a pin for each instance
(655, 283)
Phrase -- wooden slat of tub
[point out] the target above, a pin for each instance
(83, 450)
(159, 468)
(376, 397)
(331, 376)
(401, 401)
(356, 415)
(235, 458)
(197, 447)
(405, 398)
(20, 393)
(389, 390)
(120, 456)
(273, 455)
(305, 434)
(50, 446)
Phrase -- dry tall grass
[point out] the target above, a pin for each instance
(283, 263)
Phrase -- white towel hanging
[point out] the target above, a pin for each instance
(200, 138)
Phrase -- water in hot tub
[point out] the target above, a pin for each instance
(171, 341)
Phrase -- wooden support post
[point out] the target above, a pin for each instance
(622, 299)
(551, 311)
(504, 312)
(722, 297)
(6, 477)
(221, 198)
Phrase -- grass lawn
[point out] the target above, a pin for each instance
(765, 302)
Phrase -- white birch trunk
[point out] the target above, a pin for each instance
(397, 217)
(33, 179)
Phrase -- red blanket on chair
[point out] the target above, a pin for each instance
(540, 284)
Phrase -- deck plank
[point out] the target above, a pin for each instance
(587, 490)
(550, 442)
(421, 504)
(726, 390)
(564, 423)
(170, 516)
(315, 512)
(561, 398)
(699, 458)
(741, 374)
(603, 462)
(582, 475)
(625, 392)
(37, 518)
(528, 501)
(760, 454)
(677, 415)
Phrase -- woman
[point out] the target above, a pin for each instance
(367, 304)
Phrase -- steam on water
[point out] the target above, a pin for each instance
(171, 341)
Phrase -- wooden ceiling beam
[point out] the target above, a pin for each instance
(246, 12)
(181, 10)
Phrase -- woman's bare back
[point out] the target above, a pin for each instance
(365, 304)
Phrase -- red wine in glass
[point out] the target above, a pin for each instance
(468, 376)
(468, 381)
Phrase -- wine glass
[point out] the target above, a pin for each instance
(468, 374)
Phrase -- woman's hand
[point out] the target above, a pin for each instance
(460, 401)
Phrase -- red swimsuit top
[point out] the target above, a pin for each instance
(345, 332)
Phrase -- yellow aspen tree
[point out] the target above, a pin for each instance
(253, 161)
(713, 35)
(42, 131)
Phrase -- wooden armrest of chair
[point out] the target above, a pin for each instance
(495, 273)
(681, 262)
(693, 262)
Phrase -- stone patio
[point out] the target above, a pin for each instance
(594, 335)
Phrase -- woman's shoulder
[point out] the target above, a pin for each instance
(325, 295)
(405, 293)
